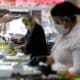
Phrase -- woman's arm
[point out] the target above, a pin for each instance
(76, 61)
(18, 41)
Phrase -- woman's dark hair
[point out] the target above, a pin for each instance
(65, 9)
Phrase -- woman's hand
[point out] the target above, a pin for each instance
(7, 36)
(22, 46)
(17, 41)
(50, 60)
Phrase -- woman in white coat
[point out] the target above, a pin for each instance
(66, 51)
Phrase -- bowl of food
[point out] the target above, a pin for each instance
(7, 49)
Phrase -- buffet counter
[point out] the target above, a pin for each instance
(16, 68)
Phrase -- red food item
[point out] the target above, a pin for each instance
(70, 75)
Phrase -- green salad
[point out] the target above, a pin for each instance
(12, 50)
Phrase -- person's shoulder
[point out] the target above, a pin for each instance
(38, 27)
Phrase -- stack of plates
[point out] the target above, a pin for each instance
(6, 70)
(28, 70)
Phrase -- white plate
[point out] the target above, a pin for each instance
(27, 70)
(6, 70)
(17, 58)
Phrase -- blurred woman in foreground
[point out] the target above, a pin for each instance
(66, 51)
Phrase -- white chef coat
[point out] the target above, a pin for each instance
(66, 51)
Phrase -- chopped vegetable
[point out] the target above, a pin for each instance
(8, 48)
